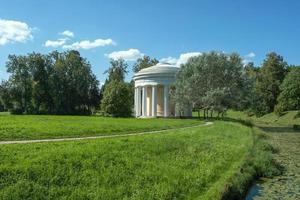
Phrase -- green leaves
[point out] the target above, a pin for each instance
(57, 83)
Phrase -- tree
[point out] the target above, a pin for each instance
(6, 95)
(117, 94)
(212, 81)
(73, 85)
(40, 67)
(57, 83)
(144, 62)
(117, 70)
(250, 74)
(289, 98)
(116, 99)
(268, 82)
(21, 81)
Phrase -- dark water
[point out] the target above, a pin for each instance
(254, 191)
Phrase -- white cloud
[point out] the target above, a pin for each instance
(170, 60)
(14, 31)
(250, 55)
(86, 44)
(248, 58)
(129, 55)
(183, 58)
(55, 43)
(67, 33)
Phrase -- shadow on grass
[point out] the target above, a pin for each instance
(278, 129)
(227, 119)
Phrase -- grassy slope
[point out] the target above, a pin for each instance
(185, 164)
(288, 118)
(16, 127)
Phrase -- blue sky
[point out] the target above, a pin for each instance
(167, 30)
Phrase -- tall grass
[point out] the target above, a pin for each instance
(193, 163)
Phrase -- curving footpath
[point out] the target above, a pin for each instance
(98, 137)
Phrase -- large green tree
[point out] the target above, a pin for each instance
(21, 83)
(117, 94)
(116, 99)
(289, 98)
(212, 81)
(57, 83)
(268, 82)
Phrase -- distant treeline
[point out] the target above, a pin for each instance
(216, 82)
(56, 83)
(63, 83)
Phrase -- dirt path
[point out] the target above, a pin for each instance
(97, 137)
(286, 186)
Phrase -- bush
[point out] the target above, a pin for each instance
(117, 99)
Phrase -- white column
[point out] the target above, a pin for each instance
(144, 110)
(166, 100)
(154, 101)
(139, 102)
(135, 101)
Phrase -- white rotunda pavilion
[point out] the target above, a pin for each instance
(152, 86)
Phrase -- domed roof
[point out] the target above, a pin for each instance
(160, 68)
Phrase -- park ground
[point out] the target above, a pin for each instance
(195, 163)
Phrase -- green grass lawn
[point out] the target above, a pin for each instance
(18, 127)
(194, 163)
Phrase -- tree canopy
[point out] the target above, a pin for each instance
(117, 94)
(267, 85)
(56, 83)
(211, 81)
(144, 62)
(289, 98)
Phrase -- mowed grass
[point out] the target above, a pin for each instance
(19, 127)
(194, 163)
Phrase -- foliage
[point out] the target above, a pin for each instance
(144, 62)
(178, 164)
(57, 83)
(49, 126)
(117, 95)
(117, 70)
(268, 82)
(289, 98)
(212, 81)
(117, 99)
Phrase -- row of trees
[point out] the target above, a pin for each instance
(63, 83)
(216, 82)
(56, 83)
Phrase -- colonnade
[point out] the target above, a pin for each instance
(146, 103)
